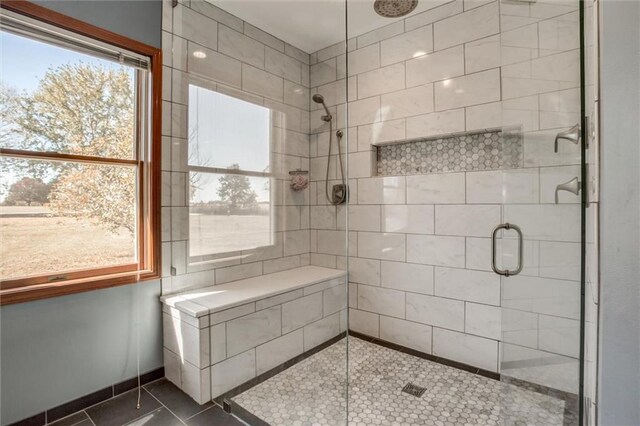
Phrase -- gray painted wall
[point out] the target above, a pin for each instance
(56, 350)
(620, 214)
(138, 19)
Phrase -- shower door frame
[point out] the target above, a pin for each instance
(584, 203)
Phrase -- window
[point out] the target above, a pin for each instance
(229, 175)
(78, 155)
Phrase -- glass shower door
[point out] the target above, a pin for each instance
(537, 250)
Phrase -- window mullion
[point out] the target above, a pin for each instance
(57, 156)
(223, 171)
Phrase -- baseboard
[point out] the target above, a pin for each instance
(61, 411)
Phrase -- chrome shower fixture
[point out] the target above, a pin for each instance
(572, 135)
(339, 192)
(573, 186)
(394, 8)
(319, 99)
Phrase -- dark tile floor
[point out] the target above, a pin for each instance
(161, 404)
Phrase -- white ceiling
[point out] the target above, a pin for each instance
(311, 25)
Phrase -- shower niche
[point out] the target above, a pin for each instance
(487, 149)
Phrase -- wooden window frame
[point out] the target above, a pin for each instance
(148, 267)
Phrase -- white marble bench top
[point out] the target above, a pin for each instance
(216, 298)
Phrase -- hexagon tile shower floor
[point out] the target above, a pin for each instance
(312, 392)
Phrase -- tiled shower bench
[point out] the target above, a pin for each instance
(219, 337)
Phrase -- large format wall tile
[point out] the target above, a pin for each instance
(503, 186)
(364, 59)
(300, 312)
(437, 66)
(444, 9)
(194, 26)
(467, 220)
(251, 330)
(387, 190)
(472, 25)
(559, 298)
(407, 277)
(407, 103)
(364, 271)
(483, 320)
(241, 47)
(463, 284)
(406, 46)
(227, 374)
(406, 333)
(381, 301)
(262, 83)
(364, 111)
(363, 218)
(278, 351)
(465, 348)
(436, 250)
(447, 188)
(384, 246)
(364, 322)
(383, 80)
(284, 66)
(216, 66)
(436, 124)
(436, 311)
(471, 89)
(410, 219)
(321, 331)
(553, 222)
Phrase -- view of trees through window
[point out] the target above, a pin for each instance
(64, 214)
(229, 174)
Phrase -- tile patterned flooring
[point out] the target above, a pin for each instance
(162, 404)
(312, 392)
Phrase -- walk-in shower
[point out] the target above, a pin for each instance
(420, 133)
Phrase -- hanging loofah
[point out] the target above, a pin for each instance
(299, 182)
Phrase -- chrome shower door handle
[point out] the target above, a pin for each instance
(494, 234)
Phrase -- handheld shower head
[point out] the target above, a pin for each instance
(319, 99)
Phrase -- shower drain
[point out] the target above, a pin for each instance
(414, 390)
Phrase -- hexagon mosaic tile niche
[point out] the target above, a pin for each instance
(487, 150)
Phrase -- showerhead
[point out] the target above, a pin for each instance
(394, 8)
(319, 99)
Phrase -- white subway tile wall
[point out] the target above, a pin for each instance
(463, 66)
(239, 60)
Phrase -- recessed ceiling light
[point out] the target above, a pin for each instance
(199, 54)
